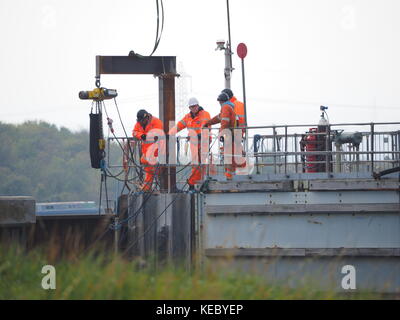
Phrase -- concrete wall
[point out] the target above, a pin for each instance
(16, 211)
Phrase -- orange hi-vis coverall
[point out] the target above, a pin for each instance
(227, 118)
(239, 111)
(138, 131)
(194, 122)
(240, 122)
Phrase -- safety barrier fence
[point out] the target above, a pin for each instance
(287, 149)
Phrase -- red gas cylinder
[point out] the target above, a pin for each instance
(310, 144)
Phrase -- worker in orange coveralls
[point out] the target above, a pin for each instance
(238, 109)
(241, 121)
(147, 124)
(227, 118)
(193, 121)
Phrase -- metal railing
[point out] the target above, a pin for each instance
(287, 149)
(370, 147)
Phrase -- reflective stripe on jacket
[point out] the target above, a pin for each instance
(227, 115)
(239, 111)
(192, 122)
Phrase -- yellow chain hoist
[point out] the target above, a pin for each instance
(98, 94)
(97, 141)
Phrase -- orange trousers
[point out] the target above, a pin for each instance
(231, 167)
(196, 175)
(149, 174)
(198, 170)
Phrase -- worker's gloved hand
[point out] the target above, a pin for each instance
(206, 125)
(155, 138)
(173, 131)
(143, 136)
(221, 138)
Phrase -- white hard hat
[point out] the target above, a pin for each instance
(193, 102)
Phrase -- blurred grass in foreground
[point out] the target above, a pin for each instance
(101, 277)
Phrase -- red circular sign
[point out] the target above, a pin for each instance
(241, 50)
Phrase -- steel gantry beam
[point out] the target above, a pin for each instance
(163, 67)
(135, 64)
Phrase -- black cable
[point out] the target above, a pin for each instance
(120, 223)
(131, 153)
(125, 185)
(121, 180)
(162, 21)
(150, 193)
(120, 119)
(129, 145)
(134, 216)
(111, 175)
(377, 175)
(126, 135)
(101, 187)
(105, 188)
(158, 24)
(136, 213)
(154, 221)
(158, 37)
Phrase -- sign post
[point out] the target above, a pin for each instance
(242, 53)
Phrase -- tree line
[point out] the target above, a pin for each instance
(49, 163)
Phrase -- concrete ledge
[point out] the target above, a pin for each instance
(16, 211)
(303, 252)
(303, 208)
(338, 185)
(250, 186)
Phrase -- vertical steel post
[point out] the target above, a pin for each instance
(398, 146)
(295, 151)
(246, 141)
(228, 67)
(167, 113)
(286, 149)
(274, 148)
(328, 149)
(372, 147)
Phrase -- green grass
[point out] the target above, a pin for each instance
(99, 277)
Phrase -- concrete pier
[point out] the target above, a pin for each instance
(17, 211)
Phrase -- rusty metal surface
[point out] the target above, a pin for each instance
(167, 115)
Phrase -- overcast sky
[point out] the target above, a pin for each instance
(301, 53)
